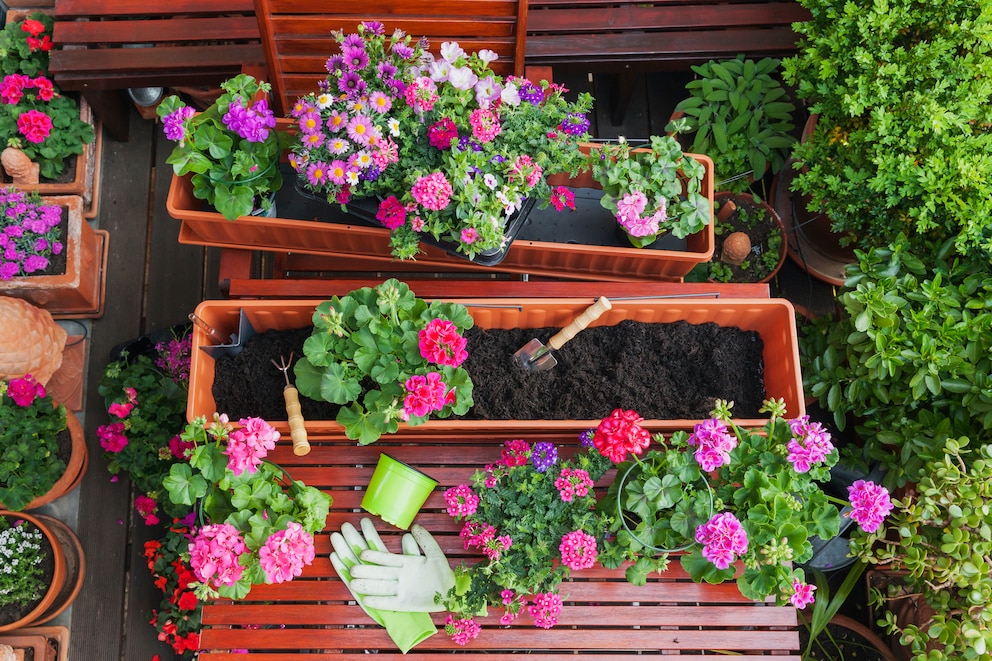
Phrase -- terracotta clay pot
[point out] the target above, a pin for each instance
(723, 196)
(49, 598)
(75, 568)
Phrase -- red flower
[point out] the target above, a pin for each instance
(161, 582)
(187, 601)
(620, 433)
(33, 27)
(34, 125)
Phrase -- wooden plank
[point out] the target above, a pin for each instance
(471, 655)
(101, 33)
(155, 59)
(65, 9)
(671, 17)
(387, 8)
(104, 507)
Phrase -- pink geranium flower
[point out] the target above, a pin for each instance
(214, 554)
(713, 442)
(871, 504)
(248, 446)
(802, 595)
(286, 553)
(426, 394)
(440, 343)
(723, 538)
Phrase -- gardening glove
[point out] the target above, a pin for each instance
(406, 629)
(405, 582)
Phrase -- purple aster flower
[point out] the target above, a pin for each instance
(355, 58)
(397, 87)
(374, 27)
(352, 41)
(351, 84)
(386, 70)
(174, 124)
(334, 64)
(543, 456)
(402, 50)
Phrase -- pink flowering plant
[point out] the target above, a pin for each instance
(767, 499)
(449, 148)
(256, 524)
(29, 233)
(651, 191)
(145, 394)
(30, 423)
(232, 148)
(532, 514)
(386, 357)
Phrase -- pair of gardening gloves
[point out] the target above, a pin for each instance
(395, 590)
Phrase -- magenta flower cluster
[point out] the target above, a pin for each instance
(285, 553)
(545, 609)
(440, 343)
(635, 217)
(578, 550)
(713, 442)
(214, 554)
(25, 390)
(425, 394)
(248, 445)
(723, 539)
(870, 504)
(29, 233)
(811, 444)
(251, 121)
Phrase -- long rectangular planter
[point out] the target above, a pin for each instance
(317, 228)
(773, 319)
(79, 292)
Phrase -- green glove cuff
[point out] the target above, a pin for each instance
(407, 629)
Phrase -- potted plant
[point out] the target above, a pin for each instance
(934, 602)
(750, 241)
(54, 132)
(767, 500)
(533, 515)
(231, 149)
(900, 135)
(35, 582)
(451, 150)
(651, 191)
(391, 356)
(259, 522)
(906, 357)
(44, 448)
(177, 618)
(146, 398)
(738, 114)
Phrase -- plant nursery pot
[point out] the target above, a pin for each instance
(396, 492)
(85, 181)
(776, 225)
(772, 319)
(80, 291)
(75, 467)
(313, 226)
(49, 599)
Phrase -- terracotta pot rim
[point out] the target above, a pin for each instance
(57, 578)
(75, 468)
(783, 250)
(58, 608)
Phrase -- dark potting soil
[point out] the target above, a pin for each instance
(663, 371)
(13, 612)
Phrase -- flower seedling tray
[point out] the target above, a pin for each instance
(772, 319)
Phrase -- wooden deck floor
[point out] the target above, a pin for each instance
(152, 283)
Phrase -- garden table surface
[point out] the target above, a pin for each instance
(604, 616)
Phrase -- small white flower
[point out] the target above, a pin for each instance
(325, 101)
(394, 127)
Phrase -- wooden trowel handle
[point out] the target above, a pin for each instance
(591, 314)
(297, 429)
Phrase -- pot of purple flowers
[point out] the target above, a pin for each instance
(230, 150)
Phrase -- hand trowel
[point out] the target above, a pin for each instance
(537, 357)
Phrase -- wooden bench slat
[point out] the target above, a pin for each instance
(566, 21)
(440, 28)
(227, 28)
(390, 10)
(469, 655)
(137, 60)
(66, 9)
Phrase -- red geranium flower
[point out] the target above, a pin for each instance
(33, 27)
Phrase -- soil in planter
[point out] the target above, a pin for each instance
(766, 244)
(13, 612)
(838, 643)
(67, 176)
(601, 369)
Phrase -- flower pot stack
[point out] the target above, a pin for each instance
(51, 256)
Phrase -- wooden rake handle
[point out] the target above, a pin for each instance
(297, 429)
(591, 314)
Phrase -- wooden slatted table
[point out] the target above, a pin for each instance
(604, 617)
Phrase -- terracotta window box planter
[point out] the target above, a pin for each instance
(308, 226)
(79, 292)
(772, 319)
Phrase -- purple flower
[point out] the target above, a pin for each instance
(8, 270)
(713, 442)
(374, 27)
(174, 124)
(543, 456)
(351, 84)
(402, 50)
(870, 504)
(355, 58)
(334, 64)
(352, 41)
(250, 122)
(531, 93)
(35, 263)
(810, 446)
(576, 123)
(585, 438)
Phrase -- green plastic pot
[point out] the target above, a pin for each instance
(396, 492)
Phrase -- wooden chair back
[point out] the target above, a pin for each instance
(297, 35)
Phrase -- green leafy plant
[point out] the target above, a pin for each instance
(25, 44)
(29, 427)
(817, 616)
(903, 143)
(390, 355)
(940, 535)
(533, 516)
(908, 357)
(451, 149)
(257, 523)
(765, 238)
(738, 114)
(651, 190)
(21, 554)
(147, 407)
(232, 148)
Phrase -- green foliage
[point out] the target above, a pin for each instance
(904, 138)
(23, 52)
(29, 466)
(21, 574)
(671, 182)
(233, 173)
(152, 423)
(754, 268)
(940, 533)
(364, 348)
(739, 115)
(909, 356)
